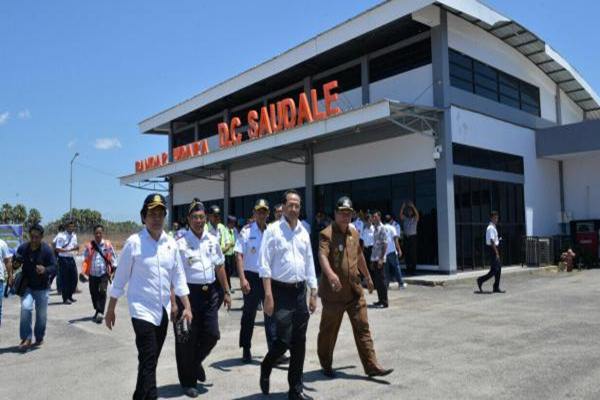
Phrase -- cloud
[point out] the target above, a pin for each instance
(25, 114)
(107, 144)
(4, 117)
(71, 143)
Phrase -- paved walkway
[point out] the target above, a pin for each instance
(537, 341)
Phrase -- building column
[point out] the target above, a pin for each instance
(364, 80)
(170, 207)
(226, 192)
(446, 223)
(309, 184)
(561, 182)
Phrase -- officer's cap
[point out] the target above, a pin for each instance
(155, 200)
(344, 204)
(261, 204)
(214, 209)
(195, 205)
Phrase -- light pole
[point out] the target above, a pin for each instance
(71, 188)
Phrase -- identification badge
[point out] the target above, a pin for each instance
(341, 248)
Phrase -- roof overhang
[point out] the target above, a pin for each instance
(351, 126)
(567, 141)
(512, 33)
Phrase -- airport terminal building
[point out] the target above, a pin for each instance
(446, 103)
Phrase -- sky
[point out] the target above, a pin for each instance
(78, 76)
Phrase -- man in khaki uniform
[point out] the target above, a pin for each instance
(341, 292)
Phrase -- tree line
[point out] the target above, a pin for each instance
(85, 219)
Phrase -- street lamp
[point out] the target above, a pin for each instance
(71, 188)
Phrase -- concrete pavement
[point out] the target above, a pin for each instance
(537, 341)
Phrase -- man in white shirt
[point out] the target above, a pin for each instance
(67, 247)
(203, 264)
(246, 250)
(492, 242)
(287, 268)
(394, 252)
(150, 265)
(378, 259)
(5, 268)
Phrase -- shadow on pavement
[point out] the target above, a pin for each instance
(226, 365)
(270, 396)
(15, 350)
(82, 319)
(317, 375)
(174, 390)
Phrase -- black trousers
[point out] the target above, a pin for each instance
(495, 269)
(411, 254)
(229, 268)
(68, 276)
(203, 335)
(379, 282)
(98, 286)
(291, 320)
(149, 340)
(251, 302)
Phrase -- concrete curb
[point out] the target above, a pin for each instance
(449, 280)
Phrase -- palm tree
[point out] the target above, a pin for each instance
(34, 217)
(19, 214)
(6, 213)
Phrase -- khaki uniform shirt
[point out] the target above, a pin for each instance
(343, 252)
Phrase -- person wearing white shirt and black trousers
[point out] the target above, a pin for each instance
(287, 267)
(66, 247)
(246, 248)
(203, 263)
(492, 242)
(151, 267)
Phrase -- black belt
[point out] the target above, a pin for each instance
(204, 286)
(292, 285)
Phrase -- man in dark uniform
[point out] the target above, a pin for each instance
(203, 261)
(247, 247)
(342, 258)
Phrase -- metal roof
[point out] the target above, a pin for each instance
(543, 56)
(511, 32)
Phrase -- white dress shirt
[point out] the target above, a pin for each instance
(491, 234)
(367, 235)
(248, 245)
(286, 255)
(391, 242)
(68, 241)
(359, 226)
(200, 256)
(150, 268)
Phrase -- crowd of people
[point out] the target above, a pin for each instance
(185, 274)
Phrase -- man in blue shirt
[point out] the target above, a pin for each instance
(38, 264)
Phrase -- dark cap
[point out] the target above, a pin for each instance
(231, 218)
(155, 200)
(214, 209)
(195, 205)
(344, 204)
(261, 204)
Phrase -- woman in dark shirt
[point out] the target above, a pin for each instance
(38, 265)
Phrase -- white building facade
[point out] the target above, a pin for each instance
(444, 103)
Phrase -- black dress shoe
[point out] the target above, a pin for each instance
(499, 291)
(377, 303)
(479, 285)
(328, 372)
(72, 300)
(264, 380)
(67, 302)
(191, 392)
(381, 372)
(247, 356)
(294, 395)
(201, 373)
